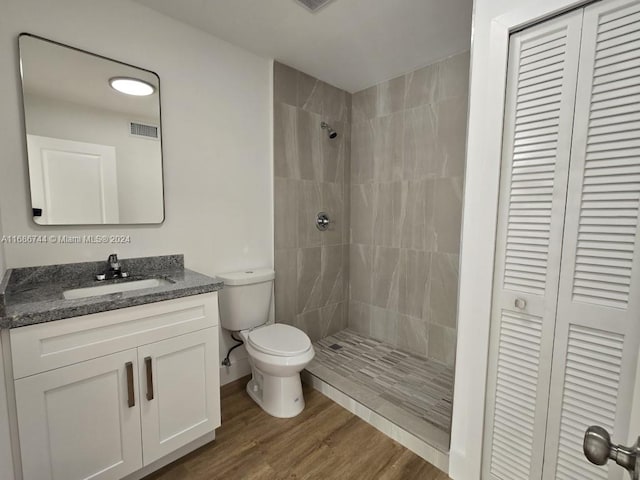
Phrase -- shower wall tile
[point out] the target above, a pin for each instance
(453, 77)
(413, 335)
(364, 105)
(332, 275)
(442, 344)
(388, 213)
(385, 282)
(407, 164)
(387, 134)
(417, 221)
(333, 318)
(311, 323)
(285, 212)
(359, 318)
(422, 87)
(309, 279)
(362, 204)
(443, 293)
(286, 285)
(390, 96)
(312, 174)
(451, 126)
(360, 272)
(362, 152)
(309, 145)
(419, 146)
(332, 202)
(285, 141)
(309, 204)
(447, 215)
(384, 325)
(285, 83)
(414, 283)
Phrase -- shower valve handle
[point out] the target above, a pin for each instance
(323, 221)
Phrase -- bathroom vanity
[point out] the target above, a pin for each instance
(109, 386)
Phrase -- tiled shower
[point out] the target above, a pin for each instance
(383, 278)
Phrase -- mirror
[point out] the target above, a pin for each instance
(95, 154)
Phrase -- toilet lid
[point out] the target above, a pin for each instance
(279, 339)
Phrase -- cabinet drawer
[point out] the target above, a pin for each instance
(46, 346)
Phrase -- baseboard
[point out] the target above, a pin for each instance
(238, 369)
(429, 453)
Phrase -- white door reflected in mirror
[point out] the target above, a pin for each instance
(61, 171)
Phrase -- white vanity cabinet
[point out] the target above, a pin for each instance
(116, 394)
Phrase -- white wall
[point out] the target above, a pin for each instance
(217, 136)
(492, 19)
(138, 160)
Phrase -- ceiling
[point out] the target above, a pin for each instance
(352, 44)
(54, 71)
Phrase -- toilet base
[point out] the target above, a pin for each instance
(278, 396)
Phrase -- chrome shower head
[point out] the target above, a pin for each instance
(330, 131)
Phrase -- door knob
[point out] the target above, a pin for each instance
(599, 450)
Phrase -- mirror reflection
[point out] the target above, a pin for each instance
(93, 137)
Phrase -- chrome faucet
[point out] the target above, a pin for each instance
(114, 270)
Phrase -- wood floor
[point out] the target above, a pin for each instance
(324, 442)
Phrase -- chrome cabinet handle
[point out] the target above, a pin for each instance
(599, 450)
(520, 303)
(131, 395)
(148, 367)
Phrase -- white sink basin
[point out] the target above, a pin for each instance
(113, 288)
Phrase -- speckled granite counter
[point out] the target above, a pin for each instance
(34, 294)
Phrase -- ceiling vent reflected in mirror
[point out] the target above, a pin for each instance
(313, 5)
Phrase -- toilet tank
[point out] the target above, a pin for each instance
(245, 300)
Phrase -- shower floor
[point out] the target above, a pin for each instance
(412, 392)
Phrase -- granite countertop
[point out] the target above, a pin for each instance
(34, 294)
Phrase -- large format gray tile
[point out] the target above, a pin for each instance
(286, 285)
(285, 141)
(442, 344)
(419, 143)
(308, 207)
(414, 283)
(285, 212)
(451, 135)
(388, 134)
(360, 271)
(385, 287)
(443, 294)
(285, 84)
(421, 87)
(362, 213)
(447, 215)
(332, 276)
(453, 76)
(309, 278)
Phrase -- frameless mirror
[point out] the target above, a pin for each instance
(93, 137)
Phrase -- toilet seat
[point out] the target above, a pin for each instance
(280, 340)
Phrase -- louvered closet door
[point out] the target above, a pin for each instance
(597, 328)
(539, 110)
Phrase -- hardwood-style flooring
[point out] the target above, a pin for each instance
(324, 442)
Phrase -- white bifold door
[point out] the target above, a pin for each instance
(566, 304)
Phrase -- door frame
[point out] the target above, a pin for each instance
(488, 80)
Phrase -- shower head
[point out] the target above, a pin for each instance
(330, 131)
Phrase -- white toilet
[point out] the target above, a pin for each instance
(277, 352)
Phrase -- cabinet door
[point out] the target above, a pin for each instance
(81, 421)
(541, 88)
(598, 328)
(180, 391)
